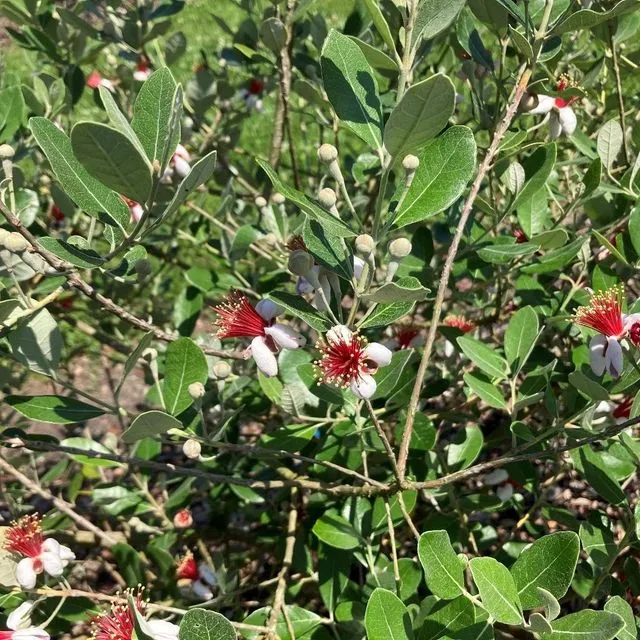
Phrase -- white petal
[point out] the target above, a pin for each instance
(378, 353)
(505, 492)
(268, 309)
(66, 555)
(207, 574)
(181, 152)
(52, 563)
(303, 286)
(264, 357)
(358, 266)
(568, 120)
(25, 575)
(136, 212)
(163, 630)
(32, 633)
(449, 349)
(613, 358)
(181, 166)
(364, 387)
(339, 333)
(141, 76)
(285, 336)
(497, 476)
(201, 590)
(596, 354)
(545, 104)
(21, 617)
(629, 320)
(52, 545)
(555, 127)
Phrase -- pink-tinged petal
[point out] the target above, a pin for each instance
(163, 630)
(52, 545)
(303, 286)
(497, 476)
(285, 337)
(614, 360)
(181, 166)
(339, 333)
(31, 633)
(364, 386)
(629, 320)
(269, 309)
(207, 574)
(264, 357)
(378, 353)
(21, 617)
(52, 563)
(141, 75)
(568, 120)
(545, 104)
(596, 354)
(25, 574)
(201, 590)
(181, 152)
(504, 492)
(555, 128)
(358, 266)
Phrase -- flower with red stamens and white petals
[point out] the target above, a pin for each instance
(348, 361)
(562, 119)
(179, 165)
(40, 554)
(252, 94)
(405, 336)
(237, 318)
(119, 622)
(187, 568)
(622, 411)
(95, 80)
(135, 208)
(201, 578)
(604, 315)
(504, 485)
(143, 71)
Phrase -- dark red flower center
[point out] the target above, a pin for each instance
(187, 568)
(405, 335)
(238, 319)
(255, 86)
(343, 361)
(118, 624)
(623, 410)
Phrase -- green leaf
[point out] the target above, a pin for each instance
(520, 337)
(588, 387)
(443, 571)
(386, 314)
(386, 617)
(112, 158)
(185, 364)
(537, 167)
(300, 308)
(433, 17)
(487, 392)
(497, 590)
(352, 88)
(634, 227)
(592, 177)
(423, 436)
(597, 539)
(504, 253)
(521, 43)
(118, 120)
(133, 358)
(622, 608)
(334, 530)
(328, 249)
(153, 117)
(587, 18)
(446, 166)
(380, 23)
(599, 476)
(87, 192)
(549, 563)
(609, 141)
(302, 623)
(449, 620)
(586, 625)
(333, 574)
(149, 424)
(409, 290)
(83, 258)
(306, 204)
(550, 604)
(273, 34)
(387, 378)
(53, 409)
(484, 357)
(422, 113)
(242, 240)
(377, 58)
(27, 206)
(202, 624)
(12, 109)
(465, 448)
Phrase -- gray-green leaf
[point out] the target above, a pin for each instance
(520, 337)
(148, 424)
(609, 142)
(497, 590)
(53, 409)
(386, 617)
(443, 571)
(185, 364)
(586, 625)
(202, 624)
(484, 357)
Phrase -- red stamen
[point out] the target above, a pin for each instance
(25, 537)
(623, 410)
(56, 213)
(296, 243)
(255, 86)
(459, 322)
(344, 361)
(238, 319)
(603, 313)
(118, 624)
(519, 235)
(405, 333)
(634, 334)
(187, 568)
(143, 63)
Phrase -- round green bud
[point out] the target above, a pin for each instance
(365, 245)
(278, 198)
(529, 101)
(327, 153)
(400, 248)
(143, 267)
(191, 449)
(260, 202)
(196, 390)
(300, 262)
(221, 370)
(327, 197)
(6, 152)
(410, 163)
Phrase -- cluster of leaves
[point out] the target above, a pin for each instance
(322, 514)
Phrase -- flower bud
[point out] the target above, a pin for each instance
(183, 519)
(35, 261)
(15, 242)
(4, 234)
(327, 153)
(400, 248)
(260, 202)
(196, 390)
(221, 370)
(278, 198)
(410, 163)
(529, 101)
(6, 152)
(191, 449)
(365, 245)
(143, 267)
(300, 262)
(327, 197)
